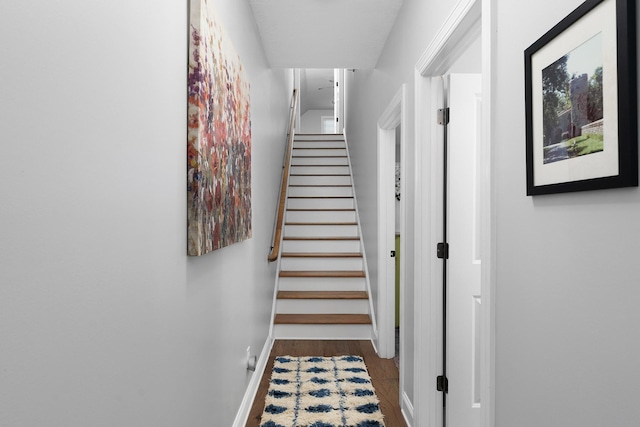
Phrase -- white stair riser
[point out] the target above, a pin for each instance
(321, 284)
(293, 203)
(323, 332)
(321, 230)
(324, 306)
(320, 180)
(303, 161)
(321, 191)
(317, 216)
(319, 170)
(319, 152)
(321, 264)
(321, 246)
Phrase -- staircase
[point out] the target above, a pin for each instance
(322, 287)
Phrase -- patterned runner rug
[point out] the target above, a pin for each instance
(321, 392)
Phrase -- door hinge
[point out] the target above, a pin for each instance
(393, 254)
(442, 250)
(442, 383)
(443, 116)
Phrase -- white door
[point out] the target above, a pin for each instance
(463, 349)
(338, 102)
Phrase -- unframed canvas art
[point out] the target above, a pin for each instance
(218, 140)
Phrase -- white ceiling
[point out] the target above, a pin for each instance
(324, 33)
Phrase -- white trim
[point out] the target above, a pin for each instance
(407, 409)
(296, 80)
(488, 218)
(279, 262)
(254, 383)
(365, 266)
(386, 243)
(339, 105)
(455, 35)
(275, 291)
(392, 116)
(428, 336)
(469, 19)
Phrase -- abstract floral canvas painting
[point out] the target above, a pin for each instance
(218, 138)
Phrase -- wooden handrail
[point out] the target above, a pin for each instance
(277, 235)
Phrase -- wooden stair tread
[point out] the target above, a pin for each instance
(320, 148)
(322, 174)
(322, 210)
(320, 223)
(322, 157)
(319, 139)
(320, 185)
(320, 197)
(321, 238)
(321, 255)
(323, 295)
(319, 134)
(323, 273)
(322, 319)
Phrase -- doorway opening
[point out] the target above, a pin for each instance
(321, 100)
(392, 270)
(398, 228)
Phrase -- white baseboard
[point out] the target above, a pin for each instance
(252, 388)
(407, 409)
(374, 340)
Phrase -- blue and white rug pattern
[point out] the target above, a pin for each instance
(321, 392)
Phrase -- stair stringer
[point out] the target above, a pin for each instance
(372, 313)
(279, 262)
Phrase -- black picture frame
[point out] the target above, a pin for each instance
(567, 148)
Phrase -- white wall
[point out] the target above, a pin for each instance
(567, 270)
(470, 61)
(370, 92)
(104, 320)
(311, 120)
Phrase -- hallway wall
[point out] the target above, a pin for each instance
(566, 265)
(370, 92)
(567, 270)
(104, 321)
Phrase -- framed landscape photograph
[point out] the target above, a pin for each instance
(581, 106)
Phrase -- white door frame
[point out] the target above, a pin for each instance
(468, 20)
(393, 116)
(296, 85)
(338, 98)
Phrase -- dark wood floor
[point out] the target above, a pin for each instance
(383, 372)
